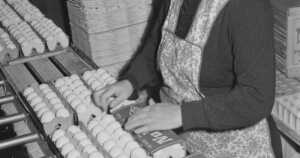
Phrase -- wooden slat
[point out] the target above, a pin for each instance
(293, 135)
(73, 63)
(20, 76)
(46, 69)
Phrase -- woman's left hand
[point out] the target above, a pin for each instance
(162, 116)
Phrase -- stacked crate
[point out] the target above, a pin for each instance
(287, 35)
(108, 31)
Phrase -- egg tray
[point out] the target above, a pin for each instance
(57, 122)
(90, 112)
(75, 142)
(113, 139)
(287, 109)
(153, 141)
(94, 140)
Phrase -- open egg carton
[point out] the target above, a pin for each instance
(78, 96)
(74, 142)
(46, 105)
(30, 29)
(101, 137)
(287, 109)
(8, 49)
(98, 79)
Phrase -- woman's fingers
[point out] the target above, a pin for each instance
(137, 120)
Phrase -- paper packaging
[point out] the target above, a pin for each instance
(159, 144)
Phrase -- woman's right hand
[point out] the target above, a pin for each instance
(113, 95)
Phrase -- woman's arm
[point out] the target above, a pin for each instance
(143, 71)
(252, 97)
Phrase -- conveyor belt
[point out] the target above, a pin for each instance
(20, 73)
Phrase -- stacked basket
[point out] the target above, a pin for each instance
(108, 31)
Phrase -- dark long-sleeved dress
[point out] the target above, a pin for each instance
(237, 73)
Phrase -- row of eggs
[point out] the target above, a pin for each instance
(46, 104)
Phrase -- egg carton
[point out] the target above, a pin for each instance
(75, 142)
(48, 107)
(108, 133)
(287, 109)
(7, 47)
(100, 78)
(51, 34)
(75, 92)
(159, 144)
(20, 31)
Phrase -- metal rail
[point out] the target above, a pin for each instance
(7, 99)
(18, 140)
(12, 118)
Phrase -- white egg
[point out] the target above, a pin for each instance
(57, 134)
(28, 91)
(96, 155)
(58, 106)
(63, 88)
(118, 133)
(67, 93)
(80, 89)
(76, 84)
(108, 145)
(113, 127)
(51, 95)
(115, 151)
(42, 111)
(74, 77)
(80, 136)
(92, 124)
(87, 75)
(101, 71)
(138, 153)
(71, 97)
(88, 99)
(96, 85)
(67, 148)
(44, 86)
(74, 129)
(47, 117)
(59, 82)
(106, 120)
(61, 141)
(74, 154)
(31, 96)
(86, 93)
(102, 137)
(85, 142)
(46, 91)
(75, 102)
(55, 101)
(89, 149)
(124, 139)
(81, 109)
(97, 129)
(36, 101)
(62, 112)
(130, 146)
(90, 81)
(39, 106)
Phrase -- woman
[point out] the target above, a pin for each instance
(215, 59)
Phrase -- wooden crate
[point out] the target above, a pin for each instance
(109, 32)
(287, 36)
(99, 16)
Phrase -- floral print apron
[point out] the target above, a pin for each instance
(180, 63)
